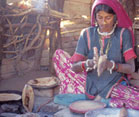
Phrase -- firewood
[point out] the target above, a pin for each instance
(20, 14)
(58, 14)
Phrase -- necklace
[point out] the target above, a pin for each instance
(106, 33)
(107, 47)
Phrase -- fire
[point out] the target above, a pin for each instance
(46, 44)
(64, 23)
(136, 18)
(25, 4)
(84, 16)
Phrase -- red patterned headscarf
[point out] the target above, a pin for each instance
(122, 17)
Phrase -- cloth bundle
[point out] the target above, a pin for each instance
(125, 95)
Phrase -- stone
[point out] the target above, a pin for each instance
(8, 115)
(9, 107)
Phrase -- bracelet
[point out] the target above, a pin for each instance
(86, 63)
(87, 66)
(113, 65)
(116, 66)
(83, 66)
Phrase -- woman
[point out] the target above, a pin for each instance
(104, 51)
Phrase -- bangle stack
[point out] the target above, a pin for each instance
(116, 67)
(87, 66)
(83, 66)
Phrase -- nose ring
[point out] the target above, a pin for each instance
(104, 22)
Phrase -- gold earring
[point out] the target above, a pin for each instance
(96, 24)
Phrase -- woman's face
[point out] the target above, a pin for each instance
(105, 21)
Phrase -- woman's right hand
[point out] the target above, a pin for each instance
(92, 63)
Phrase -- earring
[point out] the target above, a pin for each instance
(96, 24)
(116, 22)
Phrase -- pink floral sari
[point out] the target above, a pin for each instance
(71, 82)
(127, 95)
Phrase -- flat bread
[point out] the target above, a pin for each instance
(28, 98)
(46, 82)
(85, 105)
(9, 97)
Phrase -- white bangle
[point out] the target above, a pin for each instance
(86, 63)
(87, 66)
(113, 65)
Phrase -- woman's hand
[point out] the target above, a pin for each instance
(90, 63)
(102, 64)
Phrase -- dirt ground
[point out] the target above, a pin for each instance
(17, 82)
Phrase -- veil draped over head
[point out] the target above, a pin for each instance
(122, 17)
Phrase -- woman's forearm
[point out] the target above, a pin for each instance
(127, 68)
(80, 66)
(77, 67)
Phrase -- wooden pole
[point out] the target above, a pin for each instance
(2, 5)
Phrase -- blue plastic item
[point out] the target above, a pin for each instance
(67, 99)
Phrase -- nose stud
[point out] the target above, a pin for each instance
(104, 22)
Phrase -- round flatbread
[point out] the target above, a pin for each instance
(46, 82)
(9, 97)
(85, 105)
(28, 98)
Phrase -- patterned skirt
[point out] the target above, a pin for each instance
(125, 95)
(71, 82)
